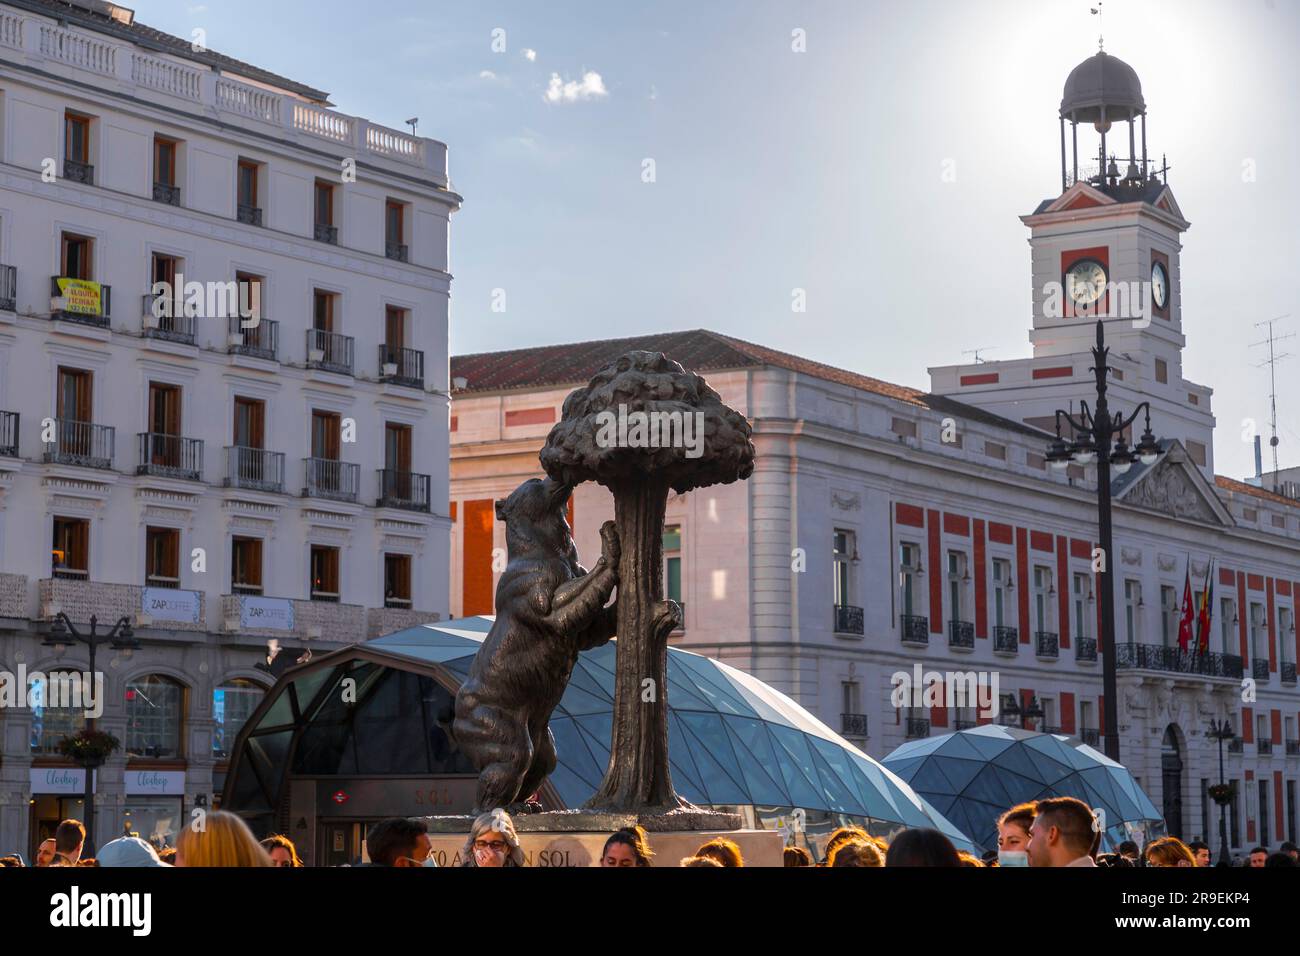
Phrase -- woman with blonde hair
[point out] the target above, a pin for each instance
(219, 838)
(1169, 851)
(492, 842)
(856, 853)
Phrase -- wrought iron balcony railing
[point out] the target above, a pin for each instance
(1085, 649)
(8, 288)
(1155, 657)
(81, 312)
(169, 456)
(75, 172)
(81, 443)
(1049, 729)
(963, 723)
(915, 629)
(330, 478)
(255, 469)
(395, 250)
(1259, 668)
(401, 366)
(260, 341)
(166, 193)
(329, 351)
(961, 634)
(848, 619)
(1263, 745)
(8, 434)
(1090, 736)
(1047, 645)
(1236, 745)
(1006, 640)
(251, 215)
(853, 725)
(1293, 748)
(403, 489)
(917, 727)
(164, 320)
(327, 233)
(1287, 671)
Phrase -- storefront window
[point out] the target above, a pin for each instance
(155, 706)
(155, 819)
(232, 704)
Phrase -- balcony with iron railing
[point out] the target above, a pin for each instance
(167, 193)
(259, 340)
(78, 304)
(165, 318)
(1287, 669)
(78, 172)
(1006, 640)
(853, 725)
(1047, 645)
(1155, 657)
(403, 489)
(848, 619)
(254, 469)
(401, 366)
(1085, 650)
(329, 351)
(169, 456)
(324, 232)
(1236, 745)
(81, 443)
(961, 635)
(8, 288)
(1293, 748)
(1263, 745)
(1259, 668)
(251, 215)
(8, 434)
(917, 727)
(332, 479)
(963, 723)
(395, 250)
(1090, 736)
(914, 628)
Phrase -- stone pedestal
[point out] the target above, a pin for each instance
(577, 837)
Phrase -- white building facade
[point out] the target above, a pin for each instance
(886, 527)
(218, 477)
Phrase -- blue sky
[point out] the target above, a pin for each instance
(821, 170)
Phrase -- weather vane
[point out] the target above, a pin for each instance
(1096, 12)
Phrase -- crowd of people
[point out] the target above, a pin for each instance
(1057, 832)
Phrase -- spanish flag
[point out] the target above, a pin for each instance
(1206, 612)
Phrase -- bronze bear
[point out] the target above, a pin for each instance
(548, 608)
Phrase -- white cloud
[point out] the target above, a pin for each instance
(529, 55)
(487, 75)
(591, 86)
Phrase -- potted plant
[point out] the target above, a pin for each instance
(1222, 793)
(89, 748)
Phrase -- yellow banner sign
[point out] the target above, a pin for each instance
(81, 296)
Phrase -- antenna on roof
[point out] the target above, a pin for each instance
(1271, 362)
(976, 352)
(1096, 12)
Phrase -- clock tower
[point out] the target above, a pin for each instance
(1107, 247)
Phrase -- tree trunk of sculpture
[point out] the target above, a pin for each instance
(638, 776)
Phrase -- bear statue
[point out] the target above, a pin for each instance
(548, 608)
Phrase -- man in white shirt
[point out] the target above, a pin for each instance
(1062, 834)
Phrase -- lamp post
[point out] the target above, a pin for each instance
(1099, 436)
(121, 638)
(1221, 731)
(1032, 711)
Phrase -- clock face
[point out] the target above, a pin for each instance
(1159, 285)
(1085, 282)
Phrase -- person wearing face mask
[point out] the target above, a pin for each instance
(1013, 835)
(492, 842)
(400, 842)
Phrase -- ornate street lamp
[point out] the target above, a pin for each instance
(121, 638)
(1099, 437)
(1223, 793)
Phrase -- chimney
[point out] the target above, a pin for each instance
(1259, 459)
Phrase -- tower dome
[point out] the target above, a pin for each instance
(1102, 81)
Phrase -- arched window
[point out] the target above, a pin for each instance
(53, 718)
(155, 712)
(232, 704)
